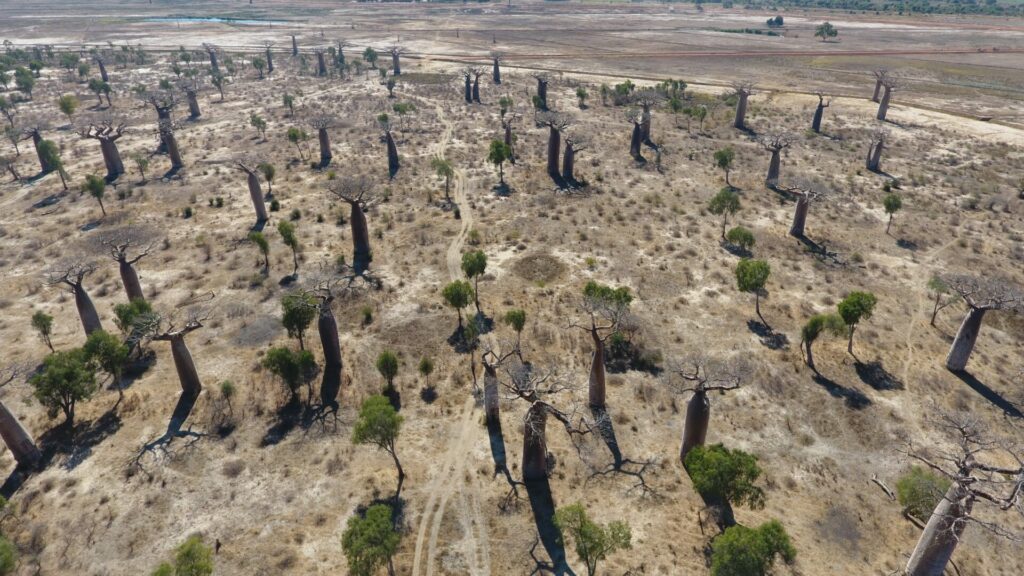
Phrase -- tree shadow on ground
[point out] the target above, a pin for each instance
(907, 244)
(161, 446)
(543, 506)
(620, 465)
(49, 200)
(875, 375)
(853, 398)
(428, 394)
(820, 250)
(135, 369)
(502, 190)
(997, 399)
(76, 443)
(769, 338)
(735, 250)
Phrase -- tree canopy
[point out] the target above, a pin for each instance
(742, 551)
(724, 475)
(370, 540)
(593, 542)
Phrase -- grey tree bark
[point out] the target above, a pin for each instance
(554, 146)
(596, 391)
(17, 439)
(803, 203)
(86, 310)
(535, 449)
(966, 337)
(942, 533)
(695, 428)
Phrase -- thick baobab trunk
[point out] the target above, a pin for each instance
(772, 179)
(43, 164)
(392, 155)
(213, 62)
(508, 139)
(173, 151)
(17, 439)
(941, 534)
(634, 141)
(542, 92)
(874, 162)
(492, 408)
(803, 203)
(86, 311)
(326, 325)
(476, 89)
(396, 65)
(193, 104)
(270, 62)
(496, 75)
(112, 159)
(878, 88)
(187, 374)
(818, 113)
(360, 239)
(256, 194)
(325, 147)
(321, 64)
(597, 380)
(741, 112)
(554, 145)
(162, 114)
(966, 336)
(568, 162)
(695, 428)
(469, 90)
(883, 106)
(295, 46)
(130, 279)
(535, 448)
(645, 123)
(103, 70)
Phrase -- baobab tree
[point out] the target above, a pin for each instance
(889, 84)
(321, 61)
(492, 401)
(191, 88)
(496, 58)
(806, 191)
(15, 436)
(127, 246)
(775, 143)
(106, 133)
(163, 101)
(880, 75)
(573, 143)
(980, 469)
(701, 375)
(542, 89)
(166, 130)
(606, 308)
(556, 122)
(101, 61)
(636, 117)
(396, 65)
(467, 74)
(211, 51)
(981, 294)
(742, 91)
(384, 122)
(162, 329)
(71, 275)
(251, 169)
(819, 111)
(295, 46)
(477, 73)
(646, 99)
(358, 192)
(506, 124)
(320, 123)
(267, 45)
(877, 144)
(33, 128)
(325, 288)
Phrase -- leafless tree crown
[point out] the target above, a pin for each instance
(353, 189)
(985, 293)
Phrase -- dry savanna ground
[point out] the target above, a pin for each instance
(277, 496)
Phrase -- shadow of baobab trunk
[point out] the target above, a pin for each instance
(543, 506)
(606, 429)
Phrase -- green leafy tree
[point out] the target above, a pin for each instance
(257, 122)
(516, 319)
(24, 81)
(297, 312)
(892, 203)
(855, 307)
(457, 294)
(378, 425)
(142, 163)
(370, 55)
(193, 558)
(108, 353)
(724, 204)
(96, 187)
(298, 136)
(292, 367)
(68, 104)
(825, 31)
(43, 323)
(49, 153)
(740, 236)
(260, 241)
(723, 475)
(369, 541)
(289, 103)
(129, 318)
(816, 325)
(66, 379)
(219, 81)
(581, 97)
(426, 367)
(387, 365)
(943, 295)
(83, 70)
(724, 159)
(592, 541)
(7, 107)
(287, 231)
(443, 169)
(259, 64)
(742, 551)
(474, 264)
(920, 490)
(498, 153)
(8, 556)
(751, 276)
(268, 171)
(504, 105)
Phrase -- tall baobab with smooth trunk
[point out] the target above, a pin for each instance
(385, 127)
(321, 61)
(320, 123)
(606, 308)
(163, 101)
(295, 46)
(775, 143)
(556, 123)
(819, 111)
(496, 58)
(542, 89)
(127, 246)
(34, 130)
(102, 63)
(646, 99)
(877, 144)
(701, 375)
(211, 51)
(980, 469)
(252, 175)
(742, 91)
(359, 194)
(573, 143)
(889, 84)
(267, 45)
(166, 130)
(492, 400)
(880, 75)
(477, 73)
(188, 376)
(191, 88)
(324, 289)
(981, 294)
(806, 191)
(396, 64)
(467, 74)
(106, 133)
(636, 118)
(15, 436)
(72, 277)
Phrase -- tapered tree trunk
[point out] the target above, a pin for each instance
(112, 159)
(396, 65)
(188, 377)
(256, 195)
(321, 64)
(634, 141)
(469, 90)
(883, 106)
(741, 112)
(17, 439)
(810, 355)
(645, 123)
(803, 203)
(103, 70)
(535, 448)
(554, 146)
(270, 62)
(542, 92)
(695, 428)
(213, 62)
(568, 162)
(130, 279)
(43, 165)
(874, 162)
(966, 336)
(942, 533)
(162, 114)
(392, 155)
(596, 390)
(508, 142)
(326, 325)
(325, 147)
(193, 105)
(492, 405)
(878, 88)
(772, 180)
(818, 113)
(295, 46)
(86, 311)
(360, 239)
(496, 74)
(173, 151)
(476, 89)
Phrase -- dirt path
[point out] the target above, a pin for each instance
(916, 318)
(453, 476)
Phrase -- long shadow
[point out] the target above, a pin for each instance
(76, 443)
(875, 375)
(1009, 408)
(819, 250)
(498, 453)
(907, 244)
(606, 429)
(854, 399)
(769, 338)
(735, 250)
(49, 200)
(170, 174)
(258, 226)
(288, 418)
(136, 368)
(543, 506)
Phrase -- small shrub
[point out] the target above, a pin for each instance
(275, 205)
(920, 490)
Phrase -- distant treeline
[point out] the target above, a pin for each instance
(990, 7)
